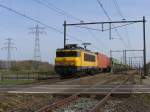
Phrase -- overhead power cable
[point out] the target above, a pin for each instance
(104, 29)
(60, 11)
(56, 9)
(123, 18)
(105, 12)
(109, 18)
(30, 18)
(118, 9)
(37, 21)
(52, 7)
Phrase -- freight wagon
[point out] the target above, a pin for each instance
(103, 63)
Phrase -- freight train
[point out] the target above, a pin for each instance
(73, 60)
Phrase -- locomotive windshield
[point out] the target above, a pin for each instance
(88, 57)
(67, 54)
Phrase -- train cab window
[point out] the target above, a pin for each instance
(67, 54)
(89, 57)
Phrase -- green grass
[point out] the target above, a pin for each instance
(145, 98)
(16, 82)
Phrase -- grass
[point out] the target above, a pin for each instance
(8, 77)
(16, 82)
(145, 98)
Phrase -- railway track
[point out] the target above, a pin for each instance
(104, 100)
(76, 96)
(61, 86)
(58, 79)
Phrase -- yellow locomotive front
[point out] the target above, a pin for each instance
(67, 62)
(72, 60)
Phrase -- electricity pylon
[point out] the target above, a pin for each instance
(37, 54)
(9, 46)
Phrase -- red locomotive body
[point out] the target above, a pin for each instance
(103, 62)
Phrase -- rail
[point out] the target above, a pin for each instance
(75, 96)
(106, 98)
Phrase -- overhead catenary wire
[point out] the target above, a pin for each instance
(52, 7)
(37, 21)
(118, 9)
(109, 18)
(120, 13)
(60, 11)
(95, 29)
(123, 18)
(64, 13)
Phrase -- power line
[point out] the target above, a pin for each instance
(105, 12)
(118, 9)
(66, 13)
(88, 28)
(60, 11)
(56, 9)
(9, 46)
(30, 18)
(95, 29)
(123, 18)
(109, 18)
(37, 21)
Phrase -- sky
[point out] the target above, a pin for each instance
(17, 27)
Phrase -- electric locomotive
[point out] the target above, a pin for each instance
(74, 59)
